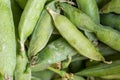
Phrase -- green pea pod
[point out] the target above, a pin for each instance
(106, 35)
(7, 41)
(54, 52)
(41, 34)
(66, 29)
(112, 6)
(111, 20)
(43, 75)
(22, 3)
(90, 8)
(29, 18)
(23, 71)
(101, 70)
(116, 76)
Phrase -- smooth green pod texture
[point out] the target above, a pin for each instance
(112, 20)
(22, 71)
(112, 6)
(90, 8)
(75, 77)
(101, 70)
(29, 18)
(106, 35)
(7, 41)
(78, 41)
(22, 3)
(41, 34)
(54, 52)
(43, 75)
(116, 76)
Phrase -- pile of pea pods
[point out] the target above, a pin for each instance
(59, 39)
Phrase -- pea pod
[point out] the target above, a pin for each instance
(22, 3)
(112, 20)
(29, 18)
(106, 35)
(112, 6)
(22, 71)
(66, 29)
(90, 8)
(116, 76)
(7, 41)
(54, 52)
(75, 77)
(41, 34)
(101, 69)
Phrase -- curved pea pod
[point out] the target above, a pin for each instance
(41, 34)
(90, 8)
(66, 29)
(101, 70)
(54, 52)
(22, 71)
(112, 6)
(22, 3)
(110, 19)
(106, 35)
(29, 18)
(7, 41)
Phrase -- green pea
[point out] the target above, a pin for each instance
(112, 20)
(106, 35)
(7, 41)
(78, 41)
(22, 3)
(54, 52)
(29, 19)
(101, 69)
(112, 6)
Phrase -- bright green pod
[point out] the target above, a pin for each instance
(101, 69)
(112, 6)
(75, 77)
(116, 77)
(78, 41)
(112, 20)
(7, 41)
(41, 34)
(29, 18)
(54, 52)
(90, 8)
(106, 35)
(22, 3)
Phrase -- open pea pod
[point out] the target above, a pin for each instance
(111, 20)
(7, 41)
(106, 35)
(112, 6)
(54, 52)
(101, 69)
